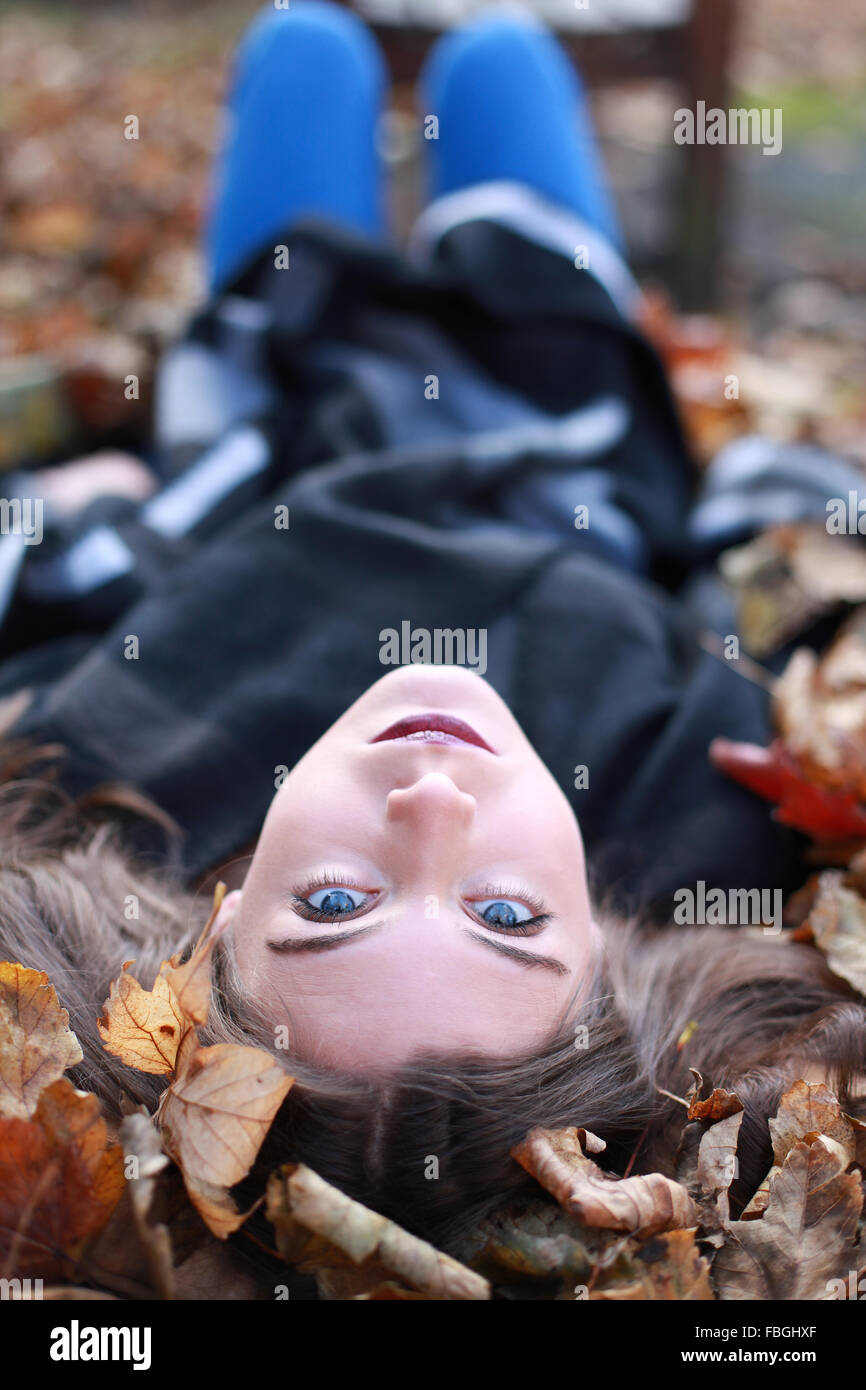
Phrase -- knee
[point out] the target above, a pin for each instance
(495, 39)
(310, 32)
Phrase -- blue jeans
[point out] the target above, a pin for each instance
(308, 89)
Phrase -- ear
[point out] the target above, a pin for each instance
(229, 909)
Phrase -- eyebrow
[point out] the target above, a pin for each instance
(300, 945)
(526, 958)
(309, 944)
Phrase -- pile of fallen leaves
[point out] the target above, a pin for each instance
(814, 772)
(145, 1210)
(99, 258)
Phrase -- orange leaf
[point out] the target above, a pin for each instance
(36, 1044)
(60, 1180)
(142, 1027)
(145, 1028)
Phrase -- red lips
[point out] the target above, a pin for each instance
(433, 728)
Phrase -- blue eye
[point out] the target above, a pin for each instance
(335, 902)
(503, 914)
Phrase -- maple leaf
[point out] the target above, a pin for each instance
(643, 1205)
(801, 803)
(36, 1044)
(142, 1027)
(60, 1180)
(352, 1250)
(221, 1101)
(145, 1028)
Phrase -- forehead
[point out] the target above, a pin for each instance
(404, 989)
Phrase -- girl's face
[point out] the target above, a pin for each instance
(419, 884)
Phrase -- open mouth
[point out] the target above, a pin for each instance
(432, 728)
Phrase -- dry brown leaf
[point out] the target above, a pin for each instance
(36, 1044)
(838, 924)
(144, 1028)
(191, 982)
(644, 1205)
(322, 1231)
(806, 1111)
(668, 1267)
(757, 1204)
(213, 1119)
(719, 1105)
(805, 1236)
(60, 1180)
(717, 1158)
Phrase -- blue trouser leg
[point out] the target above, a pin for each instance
(511, 106)
(300, 135)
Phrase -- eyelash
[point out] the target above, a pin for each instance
(490, 891)
(518, 894)
(326, 880)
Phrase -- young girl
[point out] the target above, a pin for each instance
(409, 623)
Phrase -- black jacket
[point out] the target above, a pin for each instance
(364, 440)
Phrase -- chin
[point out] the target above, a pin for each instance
(422, 676)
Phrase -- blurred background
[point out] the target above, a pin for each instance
(754, 265)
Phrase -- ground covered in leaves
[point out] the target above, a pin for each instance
(99, 235)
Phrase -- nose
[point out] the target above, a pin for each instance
(433, 805)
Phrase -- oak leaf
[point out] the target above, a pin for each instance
(804, 1238)
(808, 1110)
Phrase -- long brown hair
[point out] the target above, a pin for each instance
(76, 903)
